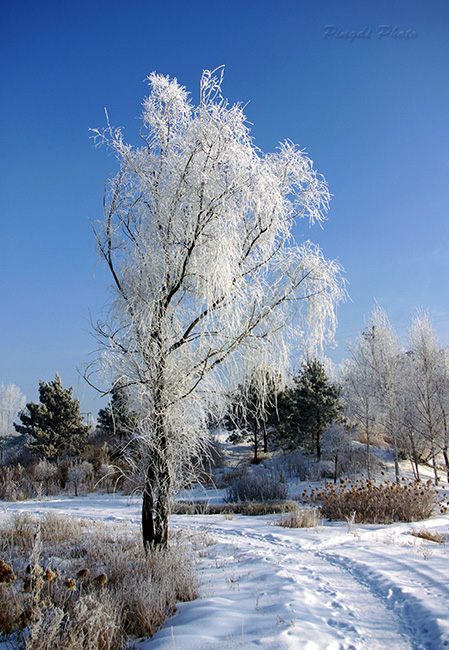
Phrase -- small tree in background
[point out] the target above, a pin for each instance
(116, 420)
(54, 426)
(308, 407)
(385, 361)
(251, 408)
(359, 396)
(11, 402)
(428, 388)
(44, 472)
(337, 446)
(78, 473)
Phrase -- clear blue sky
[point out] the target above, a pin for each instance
(371, 112)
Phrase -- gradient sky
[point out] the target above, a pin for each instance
(369, 103)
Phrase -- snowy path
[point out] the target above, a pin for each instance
(314, 590)
(266, 587)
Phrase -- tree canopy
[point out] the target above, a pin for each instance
(54, 426)
(308, 407)
(207, 281)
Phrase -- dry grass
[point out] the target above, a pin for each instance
(375, 503)
(430, 535)
(81, 585)
(250, 508)
(300, 518)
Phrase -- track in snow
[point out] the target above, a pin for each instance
(320, 598)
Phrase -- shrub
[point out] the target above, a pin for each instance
(295, 464)
(375, 503)
(256, 487)
(88, 586)
(16, 484)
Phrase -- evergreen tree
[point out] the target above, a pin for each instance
(54, 426)
(308, 407)
(116, 420)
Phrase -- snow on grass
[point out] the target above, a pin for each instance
(336, 587)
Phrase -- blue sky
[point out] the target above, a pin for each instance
(369, 107)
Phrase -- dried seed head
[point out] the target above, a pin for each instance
(70, 584)
(6, 573)
(101, 579)
(82, 574)
(48, 575)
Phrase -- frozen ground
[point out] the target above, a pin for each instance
(337, 587)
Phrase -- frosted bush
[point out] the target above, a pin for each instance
(256, 487)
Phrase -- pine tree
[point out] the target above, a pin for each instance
(54, 426)
(116, 420)
(308, 407)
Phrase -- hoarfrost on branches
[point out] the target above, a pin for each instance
(207, 281)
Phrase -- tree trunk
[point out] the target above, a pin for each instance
(368, 447)
(155, 506)
(318, 445)
(434, 461)
(256, 441)
(414, 456)
(446, 462)
(393, 436)
(156, 495)
(336, 467)
(446, 442)
(265, 437)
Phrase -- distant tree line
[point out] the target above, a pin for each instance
(387, 394)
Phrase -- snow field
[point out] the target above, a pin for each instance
(336, 587)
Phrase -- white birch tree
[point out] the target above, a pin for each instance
(359, 399)
(206, 277)
(12, 401)
(372, 391)
(428, 387)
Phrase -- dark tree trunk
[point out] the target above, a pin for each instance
(318, 445)
(156, 497)
(336, 467)
(155, 508)
(446, 442)
(256, 441)
(415, 457)
(265, 438)
(446, 462)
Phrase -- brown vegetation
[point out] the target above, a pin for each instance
(88, 586)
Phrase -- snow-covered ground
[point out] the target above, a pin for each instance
(336, 587)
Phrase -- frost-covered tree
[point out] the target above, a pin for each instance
(11, 402)
(250, 409)
(206, 278)
(44, 472)
(337, 445)
(359, 394)
(384, 360)
(427, 387)
(53, 426)
(79, 472)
